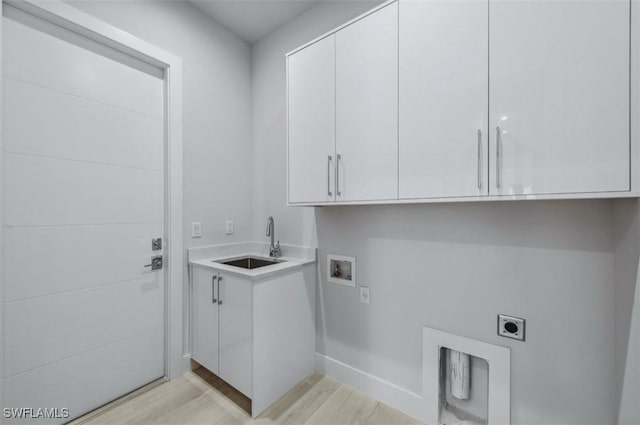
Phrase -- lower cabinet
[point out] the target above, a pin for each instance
(234, 331)
(204, 318)
(221, 320)
(257, 334)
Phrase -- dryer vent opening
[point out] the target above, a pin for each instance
(464, 387)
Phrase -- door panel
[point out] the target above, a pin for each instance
(88, 379)
(83, 197)
(137, 304)
(311, 120)
(235, 317)
(120, 137)
(443, 74)
(67, 63)
(559, 95)
(367, 107)
(32, 268)
(64, 192)
(204, 318)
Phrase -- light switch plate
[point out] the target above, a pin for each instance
(228, 227)
(196, 230)
(365, 297)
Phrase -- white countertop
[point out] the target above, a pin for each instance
(293, 257)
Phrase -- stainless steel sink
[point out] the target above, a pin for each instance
(250, 262)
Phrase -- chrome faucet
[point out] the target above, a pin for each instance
(274, 250)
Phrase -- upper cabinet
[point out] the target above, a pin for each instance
(367, 107)
(312, 112)
(343, 113)
(444, 69)
(559, 96)
(431, 100)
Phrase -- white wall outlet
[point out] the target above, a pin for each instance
(228, 227)
(196, 230)
(364, 295)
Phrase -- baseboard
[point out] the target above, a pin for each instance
(391, 394)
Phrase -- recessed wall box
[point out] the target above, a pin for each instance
(341, 269)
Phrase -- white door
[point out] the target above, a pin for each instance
(204, 317)
(235, 330)
(443, 74)
(311, 119)
(367, 107)
(83, 187)
(559, 96)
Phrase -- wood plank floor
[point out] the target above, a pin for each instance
(318, 400)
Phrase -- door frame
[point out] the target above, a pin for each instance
(63, 15)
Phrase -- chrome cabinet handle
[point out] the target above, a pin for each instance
(479, 159)
(329, 175)
(219, 294)
(213, 289)
(338, 157)
(498, 155)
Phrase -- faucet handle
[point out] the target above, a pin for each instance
(275, 250)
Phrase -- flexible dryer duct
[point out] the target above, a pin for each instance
(459, 366)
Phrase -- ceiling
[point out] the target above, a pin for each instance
(253, 19)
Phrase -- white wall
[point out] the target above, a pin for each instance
(627, 295)
(452, 266)
(217, 109)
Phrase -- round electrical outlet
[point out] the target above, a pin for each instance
(511, 327)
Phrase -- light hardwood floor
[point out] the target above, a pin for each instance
(317, 400)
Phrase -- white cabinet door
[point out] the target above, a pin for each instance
(559, 95)
(311, 122)
(367, 107)
(443, 110)
(236, 332)
(204, 320)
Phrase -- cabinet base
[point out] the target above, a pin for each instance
(241, 400)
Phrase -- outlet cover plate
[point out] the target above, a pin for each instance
(228, 227)
(511, 327)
